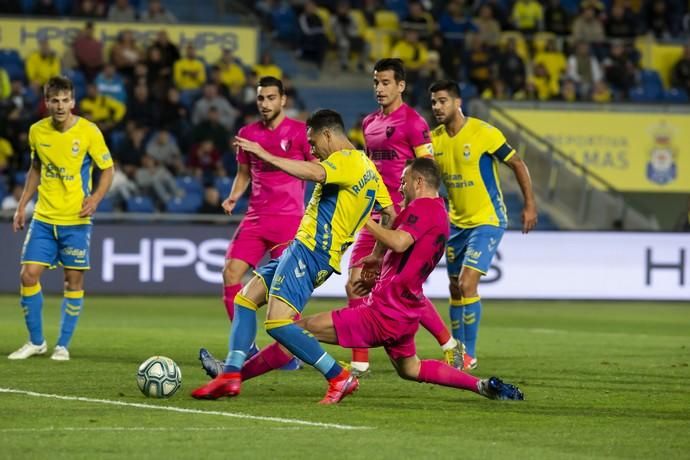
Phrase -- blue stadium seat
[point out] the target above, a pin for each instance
(242, 205)
(223, 185)
(106, 205)
(640, 94)
(190, 185)
(399, 7)
(284, 22)
(117, 139)
(186, 204)
(140, 204)
(63, 7)
(15, 71)
(20, 177)
(27, 6)
(676, 95)
(10, 56)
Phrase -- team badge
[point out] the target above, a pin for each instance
(467, 151)
(321, 277)
(389, 131)
(661, 167)
(75, 147)
(285, 144)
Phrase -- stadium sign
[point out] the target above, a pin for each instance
(188, 259)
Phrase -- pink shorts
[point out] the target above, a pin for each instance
(364, 245)
(257, 236)
(366, 327)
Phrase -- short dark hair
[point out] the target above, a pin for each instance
(394, 64)
(451, 86)
(325, 118)
(428, 169)
(57, 84)
(272, 81)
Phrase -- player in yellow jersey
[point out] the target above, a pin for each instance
(468, 151)
(64, 148)
(348, 186)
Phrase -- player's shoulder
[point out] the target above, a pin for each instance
(42, 124)
(87, 126)
(482, 127)
(411, 114)
(438, 131)
(248, 130)
(294, 123)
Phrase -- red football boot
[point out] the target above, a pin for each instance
(227, 384)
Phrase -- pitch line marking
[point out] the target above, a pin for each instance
(185, 411)
(50, 429)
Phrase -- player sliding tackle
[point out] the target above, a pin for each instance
(348, 186)
(391, 314)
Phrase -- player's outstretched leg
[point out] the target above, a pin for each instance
(495, 388)
(453, 350)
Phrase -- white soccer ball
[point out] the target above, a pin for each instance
(159, 377)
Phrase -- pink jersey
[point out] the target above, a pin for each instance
(273, 191)
(398, 293)
(393, 139)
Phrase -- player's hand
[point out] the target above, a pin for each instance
(228, 205)
(19, 219)
(88, 206)
(366, 282)
(250, 146)
(529, 218)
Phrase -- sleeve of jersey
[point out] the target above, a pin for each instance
(32, 143)
(98, 150)
(498, 145)
(383, 198)
(413, 222)
(242, 157)
(337, 169)
(420, 138)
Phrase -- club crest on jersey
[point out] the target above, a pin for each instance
(467, 151)
(75, 147)
(285, 144)
(389, 131)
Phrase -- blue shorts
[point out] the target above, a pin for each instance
(295, 274)
(472, 247)
(48, 244)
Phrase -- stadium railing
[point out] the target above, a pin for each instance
(588, 201)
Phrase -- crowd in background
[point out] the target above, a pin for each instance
(169, 116)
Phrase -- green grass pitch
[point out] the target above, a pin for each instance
(602, 380)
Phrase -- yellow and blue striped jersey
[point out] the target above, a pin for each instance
(66, 164)
(341, 205)
(469, 166)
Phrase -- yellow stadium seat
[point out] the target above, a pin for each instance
(325, 16)
(386, 20)
(520, 43)
(360, 20)
(381, 42)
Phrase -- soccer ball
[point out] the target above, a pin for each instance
(159, 377)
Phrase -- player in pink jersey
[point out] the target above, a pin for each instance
(393, 310)
(276, 204)
(393, 135)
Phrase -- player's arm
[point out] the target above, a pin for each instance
(305, 170)
(239, 186)
(397, 240)
(33, 177)
(529, 210)
(90, 203)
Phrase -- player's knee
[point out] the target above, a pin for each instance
(28, 277)
(408, 370)
(454, 289)
(74, 282)
(232, 275)
(467, 288)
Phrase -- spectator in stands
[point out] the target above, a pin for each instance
(348, 36)
(583, 68)
(6, 154)
(680, 77)
(214, 78)
(657, 19)
(528, 16)
(189, 72)
(122, 188)
(292, 94)
(267, 68)
(588, 28)
(158, 74)
(157, 13)
(45, 8)
(499, 12)
(480, 62)
(125, 54)
(88, 51)
(683, 223)
(554, 62)
(622, 22)
(132, 149)
(140, 108)
(313, 40)
(163, 148)
(556, 18)
(227, 113)
(619, 70)
(211, 128)
(41, 65)
(103, 110)
(122, 11)
(601, 92)
(93, 9)
(419, 19)
(454, 25)
(110, 83)
(205, 161)
(212, 201)
(414, 55)
(5, 86)
(17, 109)
(156, 181)
(539, 85)
(511, 67)
(169, 51)
(232, 73)
(568, 91)
(369, 9)
(488, 28)
(173, 115)
(11, 201)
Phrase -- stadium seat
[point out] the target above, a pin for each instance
(676, 96)
(325, 16)
(140, 204)
(641, 94)
(387, 21)
(186, 204)
(399, 7)
(20, 177)
(106, 205)
(223, 185)
(190, 185)
(15, 71)
(284, 22)
(520, 44)
(10, 56)
(242, 205)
